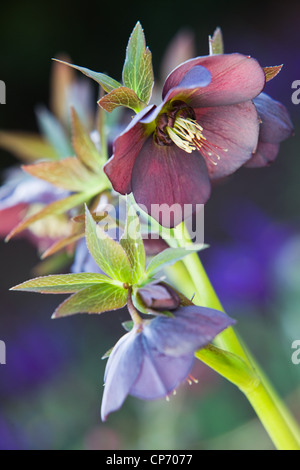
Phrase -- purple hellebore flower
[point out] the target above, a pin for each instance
(152, 359)
(206, 128)
(276, 126)
(18, 193)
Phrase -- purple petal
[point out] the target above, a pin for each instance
(265, 155)
(159, 297)
(20, 188)
(235, 128)
(126, 149)
(83, 260)
(167, 175)
(192, 328)
(276, 123)
(160, 374)
(188, 88)
(235, 78)
(122, 370)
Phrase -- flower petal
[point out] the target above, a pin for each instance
(276, 123)
(122, 370)
(235, 128)
(160, 374)
(265, 155)
(169, 182)
(126, 149)
(159, 297)
(188, 88)
(235, 78)
(192, 328)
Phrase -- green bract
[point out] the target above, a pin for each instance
(123, 265)
(137, 75)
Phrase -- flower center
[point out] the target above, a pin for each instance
(181, 128)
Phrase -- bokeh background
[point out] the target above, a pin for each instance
(51, 387)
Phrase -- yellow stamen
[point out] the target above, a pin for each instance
(187, 134)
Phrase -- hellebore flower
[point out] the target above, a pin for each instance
(275, 127)
(21, 192)
(206, 128)
(152, 359)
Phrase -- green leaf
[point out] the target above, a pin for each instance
(27, 147)
(94, 299)
(122, 96)
(55, 208)
(62, 284)
(137, 70)
(107, 83)
(108, 254)
(54, 133)
(271, 72)
(230, 366)
(133, 245)
(84, 147)
(69, 174)
(216, 45)
(170, 256)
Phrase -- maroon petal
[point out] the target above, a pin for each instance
(265, 155)
(276, 123)
(233, 128)
(126, 149)
(166, 178)
(235, 78)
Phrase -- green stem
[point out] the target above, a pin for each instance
(274, 415)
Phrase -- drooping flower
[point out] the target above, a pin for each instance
(276, 126)
(152, 359)
(206, 128)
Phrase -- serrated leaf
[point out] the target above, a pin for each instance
(56, 207)
(108, 254)
(133, 245)
(170, 256)
(61, 284)
(137, 70)
(95, 299)
(84, 147)
(107, 83)
(27, 147)
(271, 72)
(54, 132)
(216, 45)
(69, 174)
(122, 96)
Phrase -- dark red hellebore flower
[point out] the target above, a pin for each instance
(206, 128)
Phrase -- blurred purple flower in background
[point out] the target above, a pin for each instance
(241, 269)
(152, 359)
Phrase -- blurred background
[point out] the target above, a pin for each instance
(51, 387)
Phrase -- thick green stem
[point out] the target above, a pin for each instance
(274, 415)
